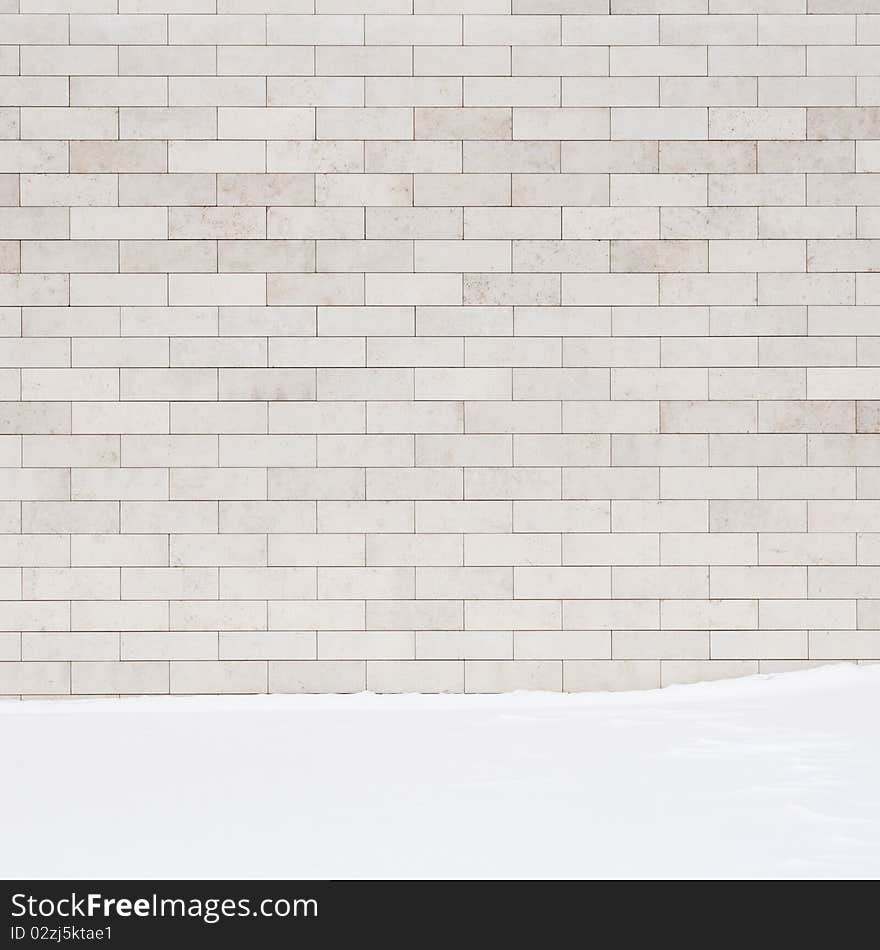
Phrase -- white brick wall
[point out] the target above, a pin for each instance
(436, 344)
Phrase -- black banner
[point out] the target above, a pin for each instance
(257, 914)
(252, 915)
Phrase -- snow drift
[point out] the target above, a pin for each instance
(770, 776)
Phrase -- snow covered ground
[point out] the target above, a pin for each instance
(759, 777)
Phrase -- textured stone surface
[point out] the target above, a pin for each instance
(440, 346)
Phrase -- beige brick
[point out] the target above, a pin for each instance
(317, 676)
(610, 675)
(119, 677)
(427, 676)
